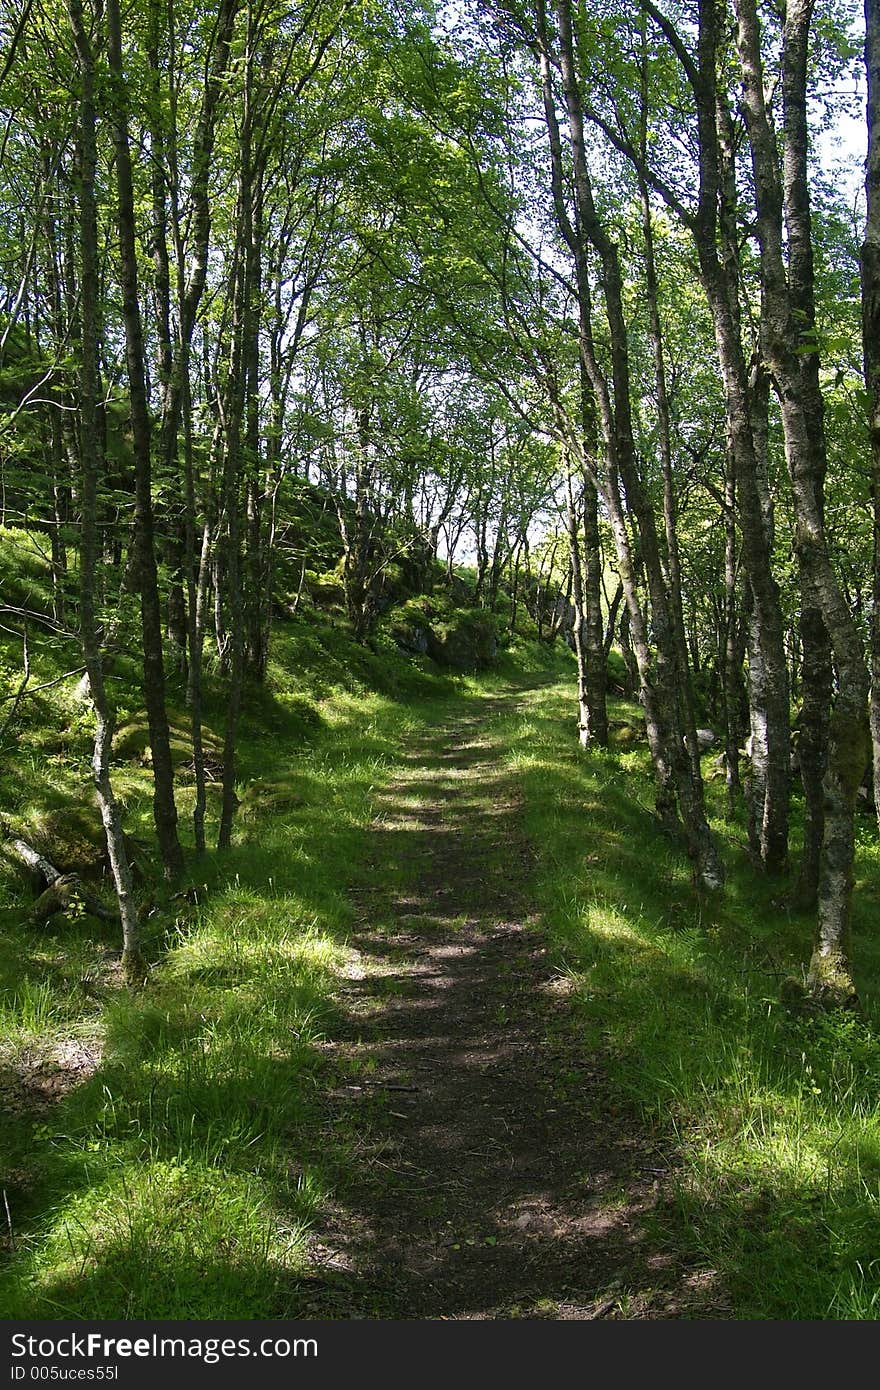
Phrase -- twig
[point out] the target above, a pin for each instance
(9, 1221)
(35, 689)
(382, 1086)
(601, 1310)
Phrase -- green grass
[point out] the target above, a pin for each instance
(770, 1119)
(178, 1176)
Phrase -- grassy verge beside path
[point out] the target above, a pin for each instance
(770, 1119)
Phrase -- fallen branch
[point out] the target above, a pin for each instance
(35, 861)
(63, 892)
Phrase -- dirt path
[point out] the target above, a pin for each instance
(497, 1178)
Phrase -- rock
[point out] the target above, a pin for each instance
(624, 734)
(281, 795)
(705, 739)
(132, 740)
(411, 637)
(468, 643)
(72, 837)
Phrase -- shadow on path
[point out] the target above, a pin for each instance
(499, 1177)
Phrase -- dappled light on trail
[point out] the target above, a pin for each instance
(510, 1183)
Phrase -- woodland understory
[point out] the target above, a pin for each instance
(368, 367)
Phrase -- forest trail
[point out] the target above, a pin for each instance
(496, 1175)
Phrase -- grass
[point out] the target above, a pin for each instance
(770, 1119)
(176, 1177)
(163, 1152)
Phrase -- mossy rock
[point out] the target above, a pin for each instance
(622, 733)
(617, 672)
(468, 643)
(302, 711)
(423, 611)
(327, 590)
(283, 794)
(72, 838)
(131, 741)
(412, 638)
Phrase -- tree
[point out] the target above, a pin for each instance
(164, 809)
(90, 461)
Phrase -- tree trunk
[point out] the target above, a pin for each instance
(164, 809)
(670, 519)
(812, 744)
(91, 459)
(595, 660)
(244, 309)
(870, 269)
(578, 636)
(660, 674)
(719, 272)
(733, 651)
(796, 382)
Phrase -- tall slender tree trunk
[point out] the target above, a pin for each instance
(660, 673)
(164, 809)
(786, 196)
(870, 269)
(817, 669)
(234, 409)
(255, 567)
(595, 662)
(670, 518)
(196, 580)
(91, 459)
(191, 265)
(734, 649)
(768, 672)
(579, 624)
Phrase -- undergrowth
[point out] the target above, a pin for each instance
(770, 1118)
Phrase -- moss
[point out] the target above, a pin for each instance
(282, 794)
(327, 590)
(829, 981)
(624, 733)
(70, 837)
(850, 748)
(302, 712)
(131, 741)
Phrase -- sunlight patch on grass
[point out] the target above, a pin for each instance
(773, 1116)
(168, 1240)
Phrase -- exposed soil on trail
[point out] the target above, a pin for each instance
(498, 1177)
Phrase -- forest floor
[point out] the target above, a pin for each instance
(446, 1033)
(501, 1175)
